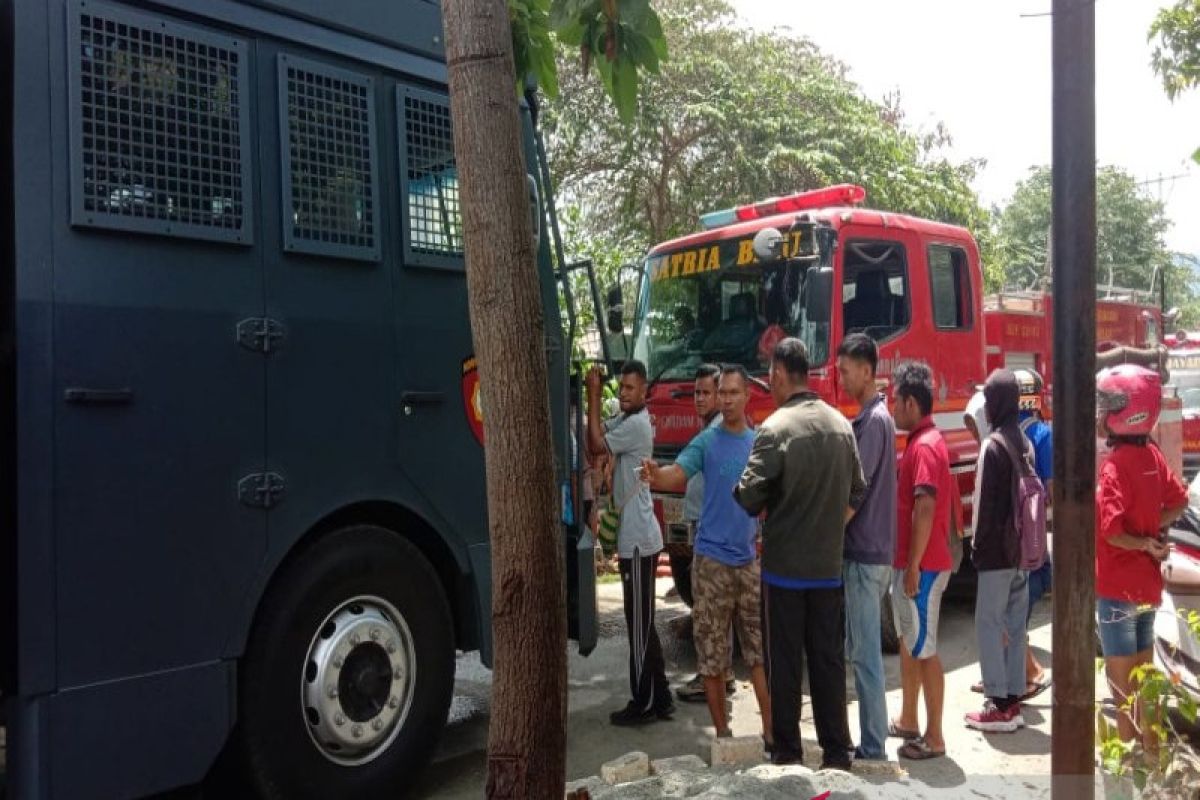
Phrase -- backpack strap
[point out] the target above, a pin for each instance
(1020, 462)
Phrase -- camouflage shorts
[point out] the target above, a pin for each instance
(726, 596)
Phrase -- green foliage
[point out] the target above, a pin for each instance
(736, 116)
(533, 47)
(622, 38)
(1130, 230)
(1156, 696)
(1175, 34)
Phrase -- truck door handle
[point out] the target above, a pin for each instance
(98, 397)
(410, 399)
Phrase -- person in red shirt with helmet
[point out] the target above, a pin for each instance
(1136, 497)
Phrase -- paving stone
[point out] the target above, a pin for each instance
(737, 751)
(688, 763)
(686, 783)
(629, 767)
(883, 769)
(592, 784)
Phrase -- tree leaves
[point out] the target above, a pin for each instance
(533, 48)
(621, 38)
(1130, 229)
(734, 116)
(1130, 240)
(1176, 55)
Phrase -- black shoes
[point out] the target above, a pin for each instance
(832, 761)
(632, 716)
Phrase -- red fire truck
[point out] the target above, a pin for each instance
(1184, 365)
(1019, 328)
(817, 266)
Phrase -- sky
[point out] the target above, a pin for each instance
(983, 69)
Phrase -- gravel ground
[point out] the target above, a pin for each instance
(1000, 766)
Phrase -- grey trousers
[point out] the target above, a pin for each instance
(1001, 603)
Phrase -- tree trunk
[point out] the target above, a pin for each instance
(527, 735)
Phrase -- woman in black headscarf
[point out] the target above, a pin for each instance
(1002, 596)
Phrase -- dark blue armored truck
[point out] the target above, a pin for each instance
(241, 469)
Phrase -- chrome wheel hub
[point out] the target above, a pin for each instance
(356, 687)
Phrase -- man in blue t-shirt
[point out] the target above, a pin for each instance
(725, 572)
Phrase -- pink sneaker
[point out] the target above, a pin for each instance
(993, 720)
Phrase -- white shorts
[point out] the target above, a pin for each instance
(917, 617)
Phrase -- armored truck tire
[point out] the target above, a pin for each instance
(349, 671)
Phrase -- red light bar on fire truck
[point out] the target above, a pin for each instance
(845, 194)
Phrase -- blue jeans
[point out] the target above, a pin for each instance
(1126, 628)
(1039, 583)
(865, 586)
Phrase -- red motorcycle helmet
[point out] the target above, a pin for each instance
(1128, 399)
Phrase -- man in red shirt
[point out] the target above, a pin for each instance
(922, 562)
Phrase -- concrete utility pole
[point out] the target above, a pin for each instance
(1074, 241)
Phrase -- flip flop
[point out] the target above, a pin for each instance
(977, 687)
(896, 732)
(918, 750)
(1039, 686)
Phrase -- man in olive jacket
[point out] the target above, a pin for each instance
(805, 473)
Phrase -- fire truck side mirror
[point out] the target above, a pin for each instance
(614, 302)
(818, 294)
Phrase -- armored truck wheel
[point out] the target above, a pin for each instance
(348, 675)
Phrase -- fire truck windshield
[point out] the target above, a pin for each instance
(1187, 383)
(717, 303)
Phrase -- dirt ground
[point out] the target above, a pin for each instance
(1010, 765)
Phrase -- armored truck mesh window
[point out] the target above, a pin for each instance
(327, 125)
(433, 216)
(159, 126)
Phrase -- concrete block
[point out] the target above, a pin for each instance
(629, 767)
(737, 751)
(590, 785)
(689, 763)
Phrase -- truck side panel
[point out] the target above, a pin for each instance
(33, 257)
(8, 374)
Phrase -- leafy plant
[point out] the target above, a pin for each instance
(1176, 56)
(1130, 235)
(1175, 771)
(737, 115)
(621, 38)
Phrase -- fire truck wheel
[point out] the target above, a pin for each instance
(681, 573)
(887, 626)
(348, 675)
